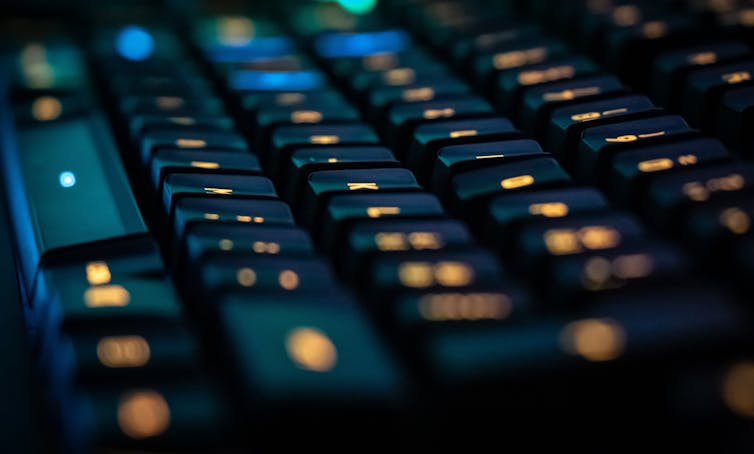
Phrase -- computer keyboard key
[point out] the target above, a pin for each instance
(323, 184)
(629, 170)
(245, 80)
(507, 211)
(540, 239)
(671, 68)
(167, 161)
(734, 118)
(194, 140)
(454, 159)
(510, 85)
(304, 113)
(574, 279)
(413, 271)
(308, 361)
(713, 230)
(430, 137)
(253, 101)
(261, 274)
(205, 238)
(405, 117)
(348, 44)
(179, 416)
(123, 356)
(703, 90)
(180, 185)
(343, 209)
(381, 99)
(668, 195)
(286, 138)
(140, 124)
(402, 76)
(245, 211)
(512, 56)
(304, 161)
(55, 191)
(567, 123)
(176, 106)
(368, 239)
(539, 101)
(599, 144)
(472, 188)
(347, 67)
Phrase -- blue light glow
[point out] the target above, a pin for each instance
(67, 179)
(359, 44)
(134, 43)
(276, 80)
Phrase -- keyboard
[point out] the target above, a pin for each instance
(414, 224)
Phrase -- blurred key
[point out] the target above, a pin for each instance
(507, 211)
(511, 56)
(734, 118)
(671, 68)
(381, 99)
(180, 185)
(367, 239)
(334, 45)
(253, 101)
(713, 230)
(140, 124)
(539, 239)
(255, 80)
(668, 194)
(343, 209)
(704, 88)
(171, 105)
(247, 211)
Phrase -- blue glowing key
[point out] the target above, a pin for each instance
(276, 80)
(134, 43)
(263, 47)
(333, 45)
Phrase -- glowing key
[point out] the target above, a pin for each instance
(134, 43)
(143, 414)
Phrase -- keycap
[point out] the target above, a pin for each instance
(567, 123)
(669, 194)
(251, 102)
(189, 415)
(599, 143)
(334, 45)
(470, 189)
(368, 239)
(171, 105)
(189, 140)
(342, 209)
(51, 210)
(733, 119)
(538, 101)
(318, 355)
(304, 161)
(381, 99)
(454, 159)
(575, 279)
(254, 211)
(402, 76)
(630, 169)
(670, 68)
(285, 138)
(507, 211)
(431, 270)
(511, 84)
(261, 80)
(714, 230)
(539, 239)
(167, 161)
(515, 55)
(262, 274)
(430, 137)
(204, 238)
(404, 117)
(704, 87)
(140, 124)
(180, 185)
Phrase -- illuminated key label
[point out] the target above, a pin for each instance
(107, 296)
(123, 351)
(143, 414)
(517, 182)
(465, 306)
(360, 186)
(97, 273)
(311, 349)
(594, 339)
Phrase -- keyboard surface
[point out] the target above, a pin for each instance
(423, 224)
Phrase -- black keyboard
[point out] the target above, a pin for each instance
(417, 224)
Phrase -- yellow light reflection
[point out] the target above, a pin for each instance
(190, 143)
(46, 108)
(98, 273)
(205, 164)
(288, 279)
(310, 349)
(225, 244)
(738, 389)
(306, 116)
(517, 182)
(463, 133)
(399, 76)
(549, 210)
(246, 277)
(376, 212)
(465, 306)
(324, 139)
(107, 296)
(235, 30)
(143, 414)
(418, 94)
(735, 220)
(431, 114)
(594, 339)
(123, 351)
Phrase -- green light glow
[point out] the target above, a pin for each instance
(357, 6)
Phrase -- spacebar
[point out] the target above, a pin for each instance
(67, 188)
